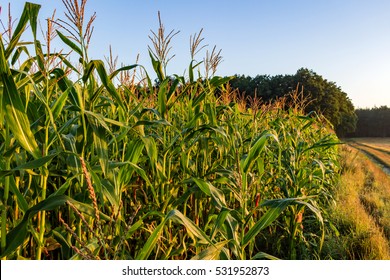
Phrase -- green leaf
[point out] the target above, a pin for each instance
(134, 228)
(318, 214)
(218, 81)
(88, 209)
(64, 187)
(277, 206)
(39, 55)
(191, 72)
(262, 255)
(176, 216)
(59, 104)
(125, 68)
(191, 68)
(105, 79)
(109, 192)
(162, 97)
(18, 52)
(147, 249)
(151, 149)
(30, 13)
(140, 172)
(22, 203)
(192, 229)
(210, 190)
(34, 164)
(14, 109)
(102, 121)
(254, 152)
(157, 66)
(170, 94)
(154, 122)
(100, 143)
(218, 225)
(68, 42)
(18, 234)
(212, 252)
(66, 86)
(93, 245)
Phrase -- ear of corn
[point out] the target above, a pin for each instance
(171, 171)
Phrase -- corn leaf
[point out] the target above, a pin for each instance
(14, 109)
(30, 13)
(277, 206)
(100, 143)
(210, 190)
(254, 152)
(212, 252)
(59, 104)
(162, 97)
(105, 79)
(262, 255)
(157, 66)
(218, 225)
(22, 203)
(147, 249)
(195, 232)
(34, 164)
(68, 42)
(18, 234)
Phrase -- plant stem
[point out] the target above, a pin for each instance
(5, 196)
(44, 177)
(4, 209)
(42, 221)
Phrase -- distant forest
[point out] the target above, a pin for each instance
(325, 97)
(374, 122)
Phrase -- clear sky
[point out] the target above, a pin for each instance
(345, 41)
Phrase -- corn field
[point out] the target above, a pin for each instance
(177, 168)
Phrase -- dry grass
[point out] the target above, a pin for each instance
(362, 209)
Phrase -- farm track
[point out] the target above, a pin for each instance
(379, 155)
(383, 150)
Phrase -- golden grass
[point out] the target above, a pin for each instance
(362, 209)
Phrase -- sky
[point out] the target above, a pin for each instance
(344, 41)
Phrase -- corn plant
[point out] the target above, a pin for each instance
(177, 169)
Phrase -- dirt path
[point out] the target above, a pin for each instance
(379, 156)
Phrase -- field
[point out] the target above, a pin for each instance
(176, 169)
(100, 162)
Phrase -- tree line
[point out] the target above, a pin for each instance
(323, 96)
(373, 122)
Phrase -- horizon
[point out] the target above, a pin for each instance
(345, 42)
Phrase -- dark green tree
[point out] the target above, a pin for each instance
(374, 122)
(328, 99)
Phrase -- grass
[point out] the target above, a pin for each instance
(361, 213)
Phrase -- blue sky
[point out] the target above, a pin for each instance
(345, 41)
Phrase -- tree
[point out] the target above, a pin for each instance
(327, 98)
(374, 122)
